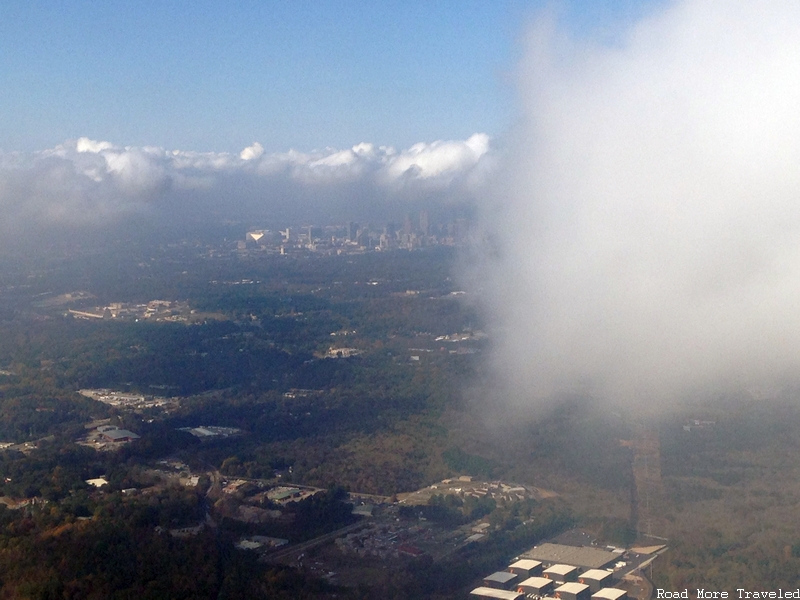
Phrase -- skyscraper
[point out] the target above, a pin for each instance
(408, 228)
(424, 226)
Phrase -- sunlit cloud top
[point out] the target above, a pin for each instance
(87, 181)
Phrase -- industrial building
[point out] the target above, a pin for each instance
(525, 568)
(583, 557)
(279, 494)
(487, 592)
(561, 573)
(596, 579)
(573, 591)
(501, 580)
(610, 594)
(570, 572)
(540, 586)
(119, 435)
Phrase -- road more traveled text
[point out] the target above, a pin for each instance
(740, 593)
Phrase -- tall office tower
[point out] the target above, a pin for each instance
(424, 226)
(461, 231)
(407, 226)
(352, 231)
(310, 235)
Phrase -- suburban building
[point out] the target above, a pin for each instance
(583, 557)
(119, 435)
(502, 580)
(561, 573)
(540, 586)
(596, 579)
(487, 592)
(573, 591)
(525, 568)
(610, 594)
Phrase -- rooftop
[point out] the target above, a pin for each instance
(487, 592)
(501, 577)
(525, 563)
(120, 434)
(609, 594)
(560, 569)
(596, 574)
(536, 582)
(585, 557)
(571, 588)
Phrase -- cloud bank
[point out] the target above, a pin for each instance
(645, 242)
(85, 183)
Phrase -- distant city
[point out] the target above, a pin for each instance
(415, 232)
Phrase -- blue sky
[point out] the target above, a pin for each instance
(216, 76)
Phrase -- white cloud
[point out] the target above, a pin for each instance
(645, 234)
(439, 159)
(93, 182)
(252, 152)
(86, 145)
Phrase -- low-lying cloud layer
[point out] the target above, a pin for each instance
(646, 243)
(86, 183)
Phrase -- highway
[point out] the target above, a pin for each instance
(294, 553)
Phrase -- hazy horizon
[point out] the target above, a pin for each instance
(635, 214)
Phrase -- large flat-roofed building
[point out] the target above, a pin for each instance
(541, 586)
(596, 579)
(584, 557)
(526, 567)
(487, 592)
(281, 493)
(561, 573)
(119, 435)
(573, 591)
(502, 580)
(610, 593)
